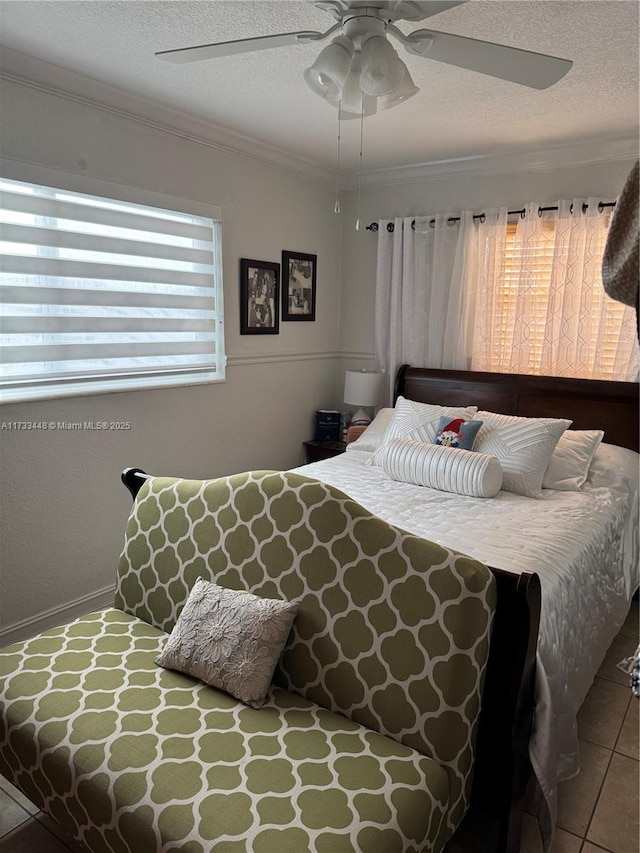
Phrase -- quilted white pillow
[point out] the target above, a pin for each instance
(523, 446)
(374, 434)
(571, 460)
(417, 421)
(449, 469)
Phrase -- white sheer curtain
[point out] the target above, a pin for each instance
(420, 294)
(543, 309)
(488, 294)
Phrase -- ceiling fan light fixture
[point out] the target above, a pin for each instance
(351, 96)
(327, 76)
(369, 108)
(382, 69)
(405, 89)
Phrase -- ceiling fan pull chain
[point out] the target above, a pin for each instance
(358, 225)
(336, 209)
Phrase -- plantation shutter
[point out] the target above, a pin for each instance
(100, 295)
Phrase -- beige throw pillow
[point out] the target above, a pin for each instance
(229, 639)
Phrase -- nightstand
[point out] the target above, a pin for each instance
(317, 450)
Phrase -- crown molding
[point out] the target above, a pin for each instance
(42, 76)
(29, 71)
(577, 153)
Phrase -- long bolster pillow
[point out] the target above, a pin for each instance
(449, 469)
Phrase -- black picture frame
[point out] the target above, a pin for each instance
(299, 286)
(259, 297)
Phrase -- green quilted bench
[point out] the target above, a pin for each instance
(365, 741)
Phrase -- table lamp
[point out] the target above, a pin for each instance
(362, 388)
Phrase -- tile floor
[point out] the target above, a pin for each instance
(598, 810)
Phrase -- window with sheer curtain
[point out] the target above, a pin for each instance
(99, 294)
(485, 293)
(550, 288)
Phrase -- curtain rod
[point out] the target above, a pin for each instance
(391, 226)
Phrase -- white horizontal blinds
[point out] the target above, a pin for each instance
(99, 294)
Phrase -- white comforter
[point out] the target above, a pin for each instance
(583, 545)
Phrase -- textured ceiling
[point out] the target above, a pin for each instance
(262, 95)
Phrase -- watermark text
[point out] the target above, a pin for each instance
(64, 426)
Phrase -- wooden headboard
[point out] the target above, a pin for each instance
(589, 403)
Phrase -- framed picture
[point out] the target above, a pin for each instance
(298, 286)
(259, 297)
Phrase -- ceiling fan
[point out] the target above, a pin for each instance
(360, 65)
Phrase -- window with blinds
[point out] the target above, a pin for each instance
(105, 295)
(540, 263)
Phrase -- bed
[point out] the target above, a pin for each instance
(566, 565)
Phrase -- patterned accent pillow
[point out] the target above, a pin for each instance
(417, 421)
(523, 446)
(456, 432)
(229, 639)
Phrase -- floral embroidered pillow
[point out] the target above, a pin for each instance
(229, 639)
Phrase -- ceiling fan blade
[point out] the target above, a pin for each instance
(536, 70)
(391, 10)
(418, 10)
(228, 48)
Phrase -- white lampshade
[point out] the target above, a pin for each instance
(404, 90)
(362, 388)
(382, 69)
(327, 76)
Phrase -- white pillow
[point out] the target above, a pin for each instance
(230, 639)
(523, 446)
(418, 421)
(571, 460)
(372, 437)
(449, 469)
(615, 468)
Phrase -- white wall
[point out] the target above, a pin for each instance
(487, 184)
(63, 508)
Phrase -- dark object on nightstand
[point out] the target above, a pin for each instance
(317, 450)
(327, 425)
